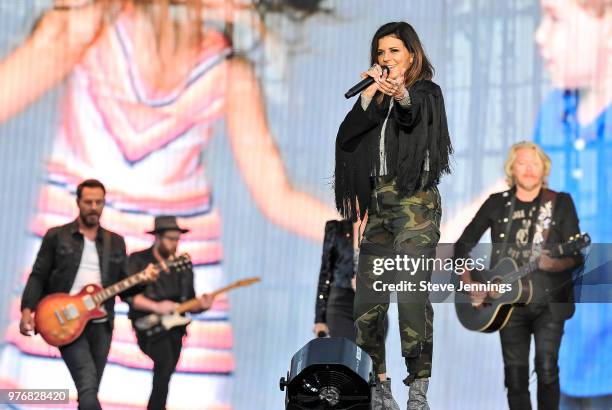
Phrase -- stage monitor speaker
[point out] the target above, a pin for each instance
(329, 373)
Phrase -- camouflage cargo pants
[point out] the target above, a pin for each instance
(404, 227)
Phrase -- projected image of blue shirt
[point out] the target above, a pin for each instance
(581, 155)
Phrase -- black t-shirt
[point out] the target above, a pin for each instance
(173, 285)
(519, 245)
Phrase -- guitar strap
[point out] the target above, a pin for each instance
(511, 205)
(104, 279)
(106, 245)
(542, 221)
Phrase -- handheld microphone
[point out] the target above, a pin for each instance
(321, 334)
(362, 85)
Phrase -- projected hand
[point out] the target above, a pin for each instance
(78, 22)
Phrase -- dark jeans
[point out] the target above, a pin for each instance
(165, 351)
(340, 314)
(86, 358)
(516, 339)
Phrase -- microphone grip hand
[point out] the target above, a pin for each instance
(370, 91)
(365, 83)
(369, 82)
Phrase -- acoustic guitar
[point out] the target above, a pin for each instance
(494, 312)
(60, 318)
(154, 324)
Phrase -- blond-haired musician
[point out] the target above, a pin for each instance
(525, 221)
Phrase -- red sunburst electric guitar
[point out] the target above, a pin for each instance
(60, 318)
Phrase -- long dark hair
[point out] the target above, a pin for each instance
(421, 68)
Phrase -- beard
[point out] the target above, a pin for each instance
(165, 252)
(90, 220)
(529, 185)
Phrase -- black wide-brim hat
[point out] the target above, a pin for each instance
(166, 223)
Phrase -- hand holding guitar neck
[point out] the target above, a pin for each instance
(206, 302)
(155, 323)
(547, 262)
(151, 272)
(196, 304)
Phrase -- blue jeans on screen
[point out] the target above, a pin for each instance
(585, 403)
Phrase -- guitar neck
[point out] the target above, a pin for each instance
(113, 290)
(522, 271)
(130, 281)
(572, 247)
(194, 304)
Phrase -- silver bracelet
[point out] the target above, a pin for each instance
(403, 95)
(405, 100)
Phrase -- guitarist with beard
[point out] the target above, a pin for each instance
(72, 256)
(162, 297)
(523, 220)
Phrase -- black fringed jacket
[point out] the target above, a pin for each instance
(413, 133)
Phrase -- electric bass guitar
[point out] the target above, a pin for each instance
(61, 318)
(494, 312)
(154, 324)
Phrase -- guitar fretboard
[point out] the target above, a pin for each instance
(117, 288)
(520, 272)
(133, 280)
(194, 304)
(568, 248)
